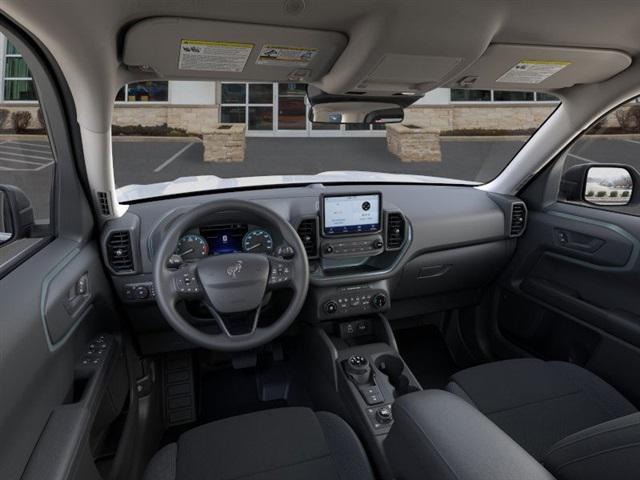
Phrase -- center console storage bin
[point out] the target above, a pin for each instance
(438, 435)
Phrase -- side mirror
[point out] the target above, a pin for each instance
(16, 214)
(609, 186)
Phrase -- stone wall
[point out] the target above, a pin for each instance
(488, 117)
(201, 119)
(192, 118)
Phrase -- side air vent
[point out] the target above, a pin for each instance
(119, 252)
(518, 219)
(104, 204)
(308, 233)
(395, 230)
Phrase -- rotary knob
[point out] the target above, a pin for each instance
(384, 415)
(379, 301)
(330, 307)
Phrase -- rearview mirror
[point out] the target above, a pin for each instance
(356, 112)
(356, 109)
(608, 186)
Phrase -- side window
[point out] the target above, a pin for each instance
(602, 168)
(27, 166)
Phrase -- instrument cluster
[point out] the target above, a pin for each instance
(222, 239)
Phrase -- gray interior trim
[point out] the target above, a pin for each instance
(631, 263)
(46, 282)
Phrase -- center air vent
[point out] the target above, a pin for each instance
(119, 252)
(518, 219)
(308, 233)
(395, 230)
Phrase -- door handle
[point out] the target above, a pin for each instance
(578, 241)
(78, 296)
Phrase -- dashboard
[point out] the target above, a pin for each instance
(392, 249)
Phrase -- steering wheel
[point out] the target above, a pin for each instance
(231, 283)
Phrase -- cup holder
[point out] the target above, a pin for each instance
(393, 368)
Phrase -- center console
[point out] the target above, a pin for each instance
(374, 376)
(357, 246)
(366, 372)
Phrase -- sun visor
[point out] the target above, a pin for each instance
(180, 48)
(526, 67)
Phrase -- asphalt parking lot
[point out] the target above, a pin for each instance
(149, 163)
(28, 163)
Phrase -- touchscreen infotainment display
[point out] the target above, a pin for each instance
(351, 214)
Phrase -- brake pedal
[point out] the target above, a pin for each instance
(273, 383)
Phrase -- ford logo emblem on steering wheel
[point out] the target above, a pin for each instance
(234, 269)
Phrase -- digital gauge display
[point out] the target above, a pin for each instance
(192, 246)
(257, 241)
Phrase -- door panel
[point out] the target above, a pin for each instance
(37, 369)
(571, 291)
(55, 301)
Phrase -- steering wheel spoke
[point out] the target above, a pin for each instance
(223, 323)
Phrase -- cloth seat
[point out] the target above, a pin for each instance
(538, 403)
(285, 443)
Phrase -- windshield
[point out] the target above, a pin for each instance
(178, 137)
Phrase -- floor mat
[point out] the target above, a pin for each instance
(425, 351)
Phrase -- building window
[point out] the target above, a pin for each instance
(250, 103)
(507, 96)
(274, 107)
(18, 84)
(292, 108)
(149, 91)
(545, 97)
(464, 95)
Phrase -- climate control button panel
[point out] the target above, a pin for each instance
(352, 301)
(361, 246)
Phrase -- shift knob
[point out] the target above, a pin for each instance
(358, 368)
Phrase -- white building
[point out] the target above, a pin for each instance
(276, 109)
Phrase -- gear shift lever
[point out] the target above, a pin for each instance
(359, 369)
